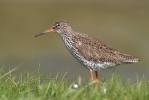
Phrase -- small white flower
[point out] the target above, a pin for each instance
(75, 86)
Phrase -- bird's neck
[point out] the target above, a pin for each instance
(67, 34)
(67, 39)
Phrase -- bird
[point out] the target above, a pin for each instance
(92, 53)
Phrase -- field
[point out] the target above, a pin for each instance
(34, 87)
(121, 24)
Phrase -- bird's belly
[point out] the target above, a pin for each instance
(91, 65)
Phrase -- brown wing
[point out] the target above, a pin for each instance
(94, 50)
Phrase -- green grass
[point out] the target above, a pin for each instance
(35, 87)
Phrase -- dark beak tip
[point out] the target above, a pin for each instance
(36, 35)
(39, 34)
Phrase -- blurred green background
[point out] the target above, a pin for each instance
(122, 24)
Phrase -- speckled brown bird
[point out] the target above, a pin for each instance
(89, 51)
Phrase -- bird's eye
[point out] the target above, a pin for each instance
(57, 24)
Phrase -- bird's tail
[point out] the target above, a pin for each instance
(132, 59)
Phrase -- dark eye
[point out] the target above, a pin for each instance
(57, 24)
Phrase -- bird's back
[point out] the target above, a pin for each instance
(92, 49)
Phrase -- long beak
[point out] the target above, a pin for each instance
(45, 32)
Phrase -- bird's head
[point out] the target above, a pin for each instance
(60, 26)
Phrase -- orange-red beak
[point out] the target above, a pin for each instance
(45, 32)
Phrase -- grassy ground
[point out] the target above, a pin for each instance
(34, 87)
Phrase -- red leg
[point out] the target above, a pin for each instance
(91, 76)
(97, 78)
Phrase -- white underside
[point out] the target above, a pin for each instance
(97, 66)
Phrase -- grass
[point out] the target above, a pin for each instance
(34, 87)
